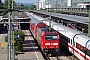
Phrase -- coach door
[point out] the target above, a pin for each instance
(73, 45)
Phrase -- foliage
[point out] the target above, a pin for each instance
(19, 47)
(3, 13)
(41, 9)
(6, 4)
(32, 7)
(18, 41)
(6, 38)
(1, 6)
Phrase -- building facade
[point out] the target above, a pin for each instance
(82, 3)
(49, 4)
(45, 4)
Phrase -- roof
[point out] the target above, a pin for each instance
(18, 15)
(78, 19)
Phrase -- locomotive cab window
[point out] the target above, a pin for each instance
(51, 37)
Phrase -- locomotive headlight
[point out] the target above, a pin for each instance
(55, 43)
(47, 43)
(56, 46)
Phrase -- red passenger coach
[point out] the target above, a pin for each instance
(49, 41)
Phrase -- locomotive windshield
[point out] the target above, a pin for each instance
(51, 37)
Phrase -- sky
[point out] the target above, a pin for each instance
(24, 1)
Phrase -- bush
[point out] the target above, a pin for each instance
(6, 38)
(18, 41)
(19, 47)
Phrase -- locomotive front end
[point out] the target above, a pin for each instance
(51, 42)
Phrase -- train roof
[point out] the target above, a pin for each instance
(43, 29)
(70, 33)
(74, 18)
(34, 20)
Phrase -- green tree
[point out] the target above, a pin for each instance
(32, 7)
(1, 5)
(18, 41)
(6, 4)
(21, 6)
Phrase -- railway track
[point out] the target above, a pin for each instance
(59, 57)
(64, 54)
(30, 48)
(51, 57)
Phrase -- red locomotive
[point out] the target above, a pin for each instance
(49, 41)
